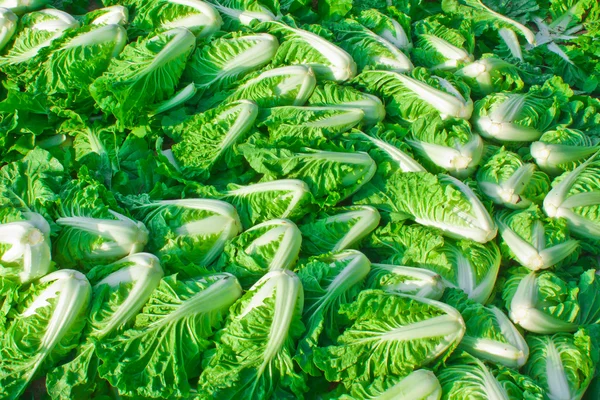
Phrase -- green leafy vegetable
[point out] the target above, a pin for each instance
(338, 230)
(562, 150)
(43, 329)
(418, 282)
(284, 86)
(467, 265)
(120, 291)
(220, 64)
(506, 180)
(446, 145)
(254, 350)
(299, 46)
(146, 73)
(562, 363)
(331, 175)
(37, 30)
(8, 24)
(574, 198)
(169, 336)
(24, 246)
(490, 334)
(534, 241)
(260, 202)
(416, 331)
(469, 376)
(187, 234)
(198, 16)
(268, 246)
(347, 97)
(329, 282)
(409, 97)
(441, 202)
(205, 143)
(551, 302)
(369, 50)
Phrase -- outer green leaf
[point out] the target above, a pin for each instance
(269, 246)
(409, 97)
(441, 202)
(394, 29)
(205, 143)
(329, 282)
(464, 264)
(43, 329)
(198, 16)
(260, 202)
(36, 31)
(25, 120)
(418, 282)
(220, 64)
(369, 50)
(515, 117)
(70, 65)
(284, 86)
(490, 335)
(418, 385)
(490, 74)
(189, 233)
(486, 19)
(344, 96)
(254, 350)
(169, 337)
(506, 180)
(446, 145)
(33, 182)
(386, 146)
(563, 150)
(146, 73)
(92, 231)
(309, 126)
(97, 147)
(468, 377)
(331, 175)
(543, 302)
(390, 334)
(298, 127)
(561, 363)
(574, 197)
(120, 291)
(299, 46)
(439, 46)
(116, 14)
(338, 229)
(246, 12)
(534, 241)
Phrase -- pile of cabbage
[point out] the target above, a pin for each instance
(262, 199)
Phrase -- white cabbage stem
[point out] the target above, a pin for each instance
(356, 269)
(123, 235)
(292, 189)
(287, 234)
(8, 26)
(116, 14)
(420, 384)
(523, 310)
(30, 245)
(145, 272)
(418, 282)
(203, 21)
